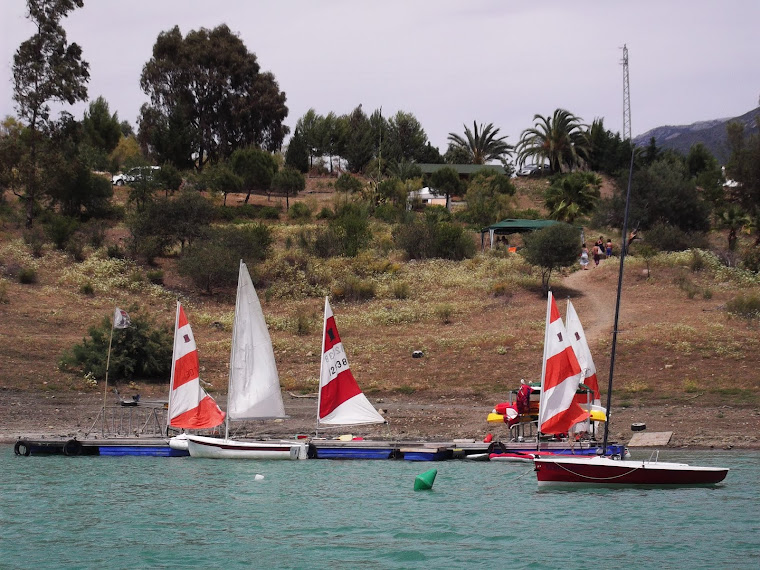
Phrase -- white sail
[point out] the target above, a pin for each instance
(254, 385)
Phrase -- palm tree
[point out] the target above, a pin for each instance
(573, 195)
(734, 219)
(480, 145)
(561, 139)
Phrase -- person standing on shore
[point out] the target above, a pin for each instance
(584, 257)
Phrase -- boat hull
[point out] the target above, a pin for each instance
(604, 472)
(216, 448)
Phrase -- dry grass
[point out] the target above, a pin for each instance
(479, 322)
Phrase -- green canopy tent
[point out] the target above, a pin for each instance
(512, 226)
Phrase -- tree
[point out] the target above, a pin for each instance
(297, 155)
(360, 140)
(45, 69)
(608, 152)
(220, 178)
(405, 139)
(733, 218)
(573, 195)
(446, 182)
(101, 129)
(213, 261)
(255, 167)
(560, 140)
(552, 248)
(213, 82)
(744, 166)
(288, 181)
(348, 183)
(481, 146)
(488, 197)
(307, 126)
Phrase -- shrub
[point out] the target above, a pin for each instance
(87, 289)
(426, 237)
(113, 251)
(4, 299)
(325, 214)
(60, 229)
(444, 313)
(401, 290)
(27, 275)
(35, 239)
(354, 289)
(138, 352)
(670, 238)
(156, 276)
(300, 211)
(744, 306)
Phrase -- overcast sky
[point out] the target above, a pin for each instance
(447, 62)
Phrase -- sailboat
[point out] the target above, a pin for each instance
(341, 402)
(190, 407)
(606, 471)
(254, 386)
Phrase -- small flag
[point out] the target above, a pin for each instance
(121, 319)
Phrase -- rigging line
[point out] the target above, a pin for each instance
(598, 478)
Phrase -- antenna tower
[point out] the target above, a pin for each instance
(626, 97)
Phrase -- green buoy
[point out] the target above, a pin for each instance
(424, 481)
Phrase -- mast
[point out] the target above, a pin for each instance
(321, 365)
(623, 250)
(232, 355)
(174, 365)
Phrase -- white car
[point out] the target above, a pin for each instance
(134, 174)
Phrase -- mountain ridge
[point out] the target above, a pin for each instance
(710, 132)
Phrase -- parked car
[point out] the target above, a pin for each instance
(134, 175)
(533, 169)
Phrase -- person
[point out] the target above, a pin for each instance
(597, 252)
(600, 244)
(608, 249)
(584, 257)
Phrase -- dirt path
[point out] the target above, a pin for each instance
(594, 297)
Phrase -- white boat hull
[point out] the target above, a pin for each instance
(216, 448)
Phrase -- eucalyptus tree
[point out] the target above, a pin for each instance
(46, 68)
(215, 83)
(406, 140)
(561, 140)
(481, 145)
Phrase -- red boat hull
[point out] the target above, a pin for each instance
(603, 472)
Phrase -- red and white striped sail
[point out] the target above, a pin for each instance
(341, 401)
(190, 407)
(560, 377)
(582, 351)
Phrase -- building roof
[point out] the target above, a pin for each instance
(512, 226)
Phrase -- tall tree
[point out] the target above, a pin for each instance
(297, 155)
(482, 145)
(45, 69)
(211, 79)
(289, 182)
(101, 129)
(561, 140)
(405, 140)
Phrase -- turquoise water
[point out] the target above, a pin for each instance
(145, 512)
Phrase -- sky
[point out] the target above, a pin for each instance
(450, 63)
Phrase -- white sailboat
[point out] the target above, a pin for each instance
(254, 386)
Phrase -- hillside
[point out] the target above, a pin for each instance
(683, 364)
(711, 133)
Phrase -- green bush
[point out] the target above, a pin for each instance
(27, 275)
(426, 238)
(744, 306)
(300, 211)
(60, 229)
(138, 352)
(665, 237)
(353, 289)
(35, 239)
(401, 290)
(87, 289)
(156, 276)
(444, 313)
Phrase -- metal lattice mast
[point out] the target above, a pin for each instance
(626, 97)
